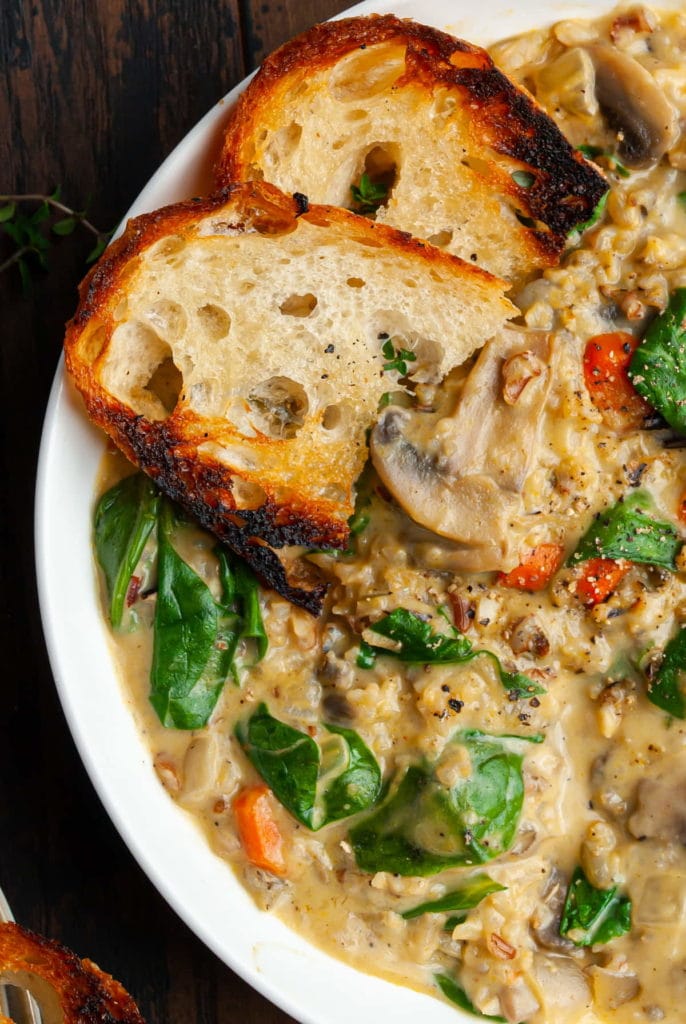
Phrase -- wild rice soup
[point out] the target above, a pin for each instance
(534, 797)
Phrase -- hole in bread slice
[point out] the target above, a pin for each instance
(166, 383)
(246, 494)
(279, 406)
(298, 305)
(367, 72)
(214, 321)
(168, 318)
(377, 177)
(140, 370)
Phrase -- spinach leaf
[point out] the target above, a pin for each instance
(456, 994)
(468, 895)
(244, 593)
(287, 760)
(355, 788)
(423, 827)
(124, 519)
(668, 689)
(418, 644)
(188, 666)
(658, 368)
(316, 785)
(625, 531)
(592, 916)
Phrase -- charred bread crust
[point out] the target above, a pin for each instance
(566, 188)
(86, 994)
(171, 451)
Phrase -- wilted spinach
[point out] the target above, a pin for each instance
(593, 916)
(240, 597)
(666, 690)
(317, 784)
(625, 530)
(188, 653)
(456, 994)
(472, 891)
(658, 368)
(124, 519)
(423, 827)
(419, 644)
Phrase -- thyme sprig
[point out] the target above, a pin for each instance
(32, 230)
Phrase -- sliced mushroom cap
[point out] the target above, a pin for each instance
(661, 804)
(460, 476)
(634, 106)
(470, 511)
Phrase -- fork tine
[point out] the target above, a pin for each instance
(16, 1004)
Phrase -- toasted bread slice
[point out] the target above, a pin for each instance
(469, 160)
(67, 989)
(233, 348)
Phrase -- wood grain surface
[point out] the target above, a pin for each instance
(93, 94)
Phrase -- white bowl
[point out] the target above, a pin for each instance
(306, 983)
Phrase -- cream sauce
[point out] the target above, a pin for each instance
(606, 787)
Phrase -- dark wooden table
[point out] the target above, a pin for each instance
(93, 94)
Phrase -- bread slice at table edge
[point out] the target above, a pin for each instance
(306, 482)
(504, 131)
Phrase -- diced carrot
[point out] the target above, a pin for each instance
(601, 577)
(681, 509)
(606, 364)
(258, 830)
(536, 570)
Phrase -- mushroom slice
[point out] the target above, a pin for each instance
(660, 811)
(466, 511)
(460, 476)
(634, 106)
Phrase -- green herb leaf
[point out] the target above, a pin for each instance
(397, 358)
(189, 660)
(368, 195)
(452, 922)
(316, 785)
(625, 531)
(593, 916)
(598, 212)
(612, 162)
(124, 519)
(423, 827)
(419, 644)
(525, 179)
(65, 226)
(7, 212)
(366, 656)
(99, 248)
(658, 368)
(681, 199)
(473, 890)
(668, 689)
(456, 994)
(358, 522)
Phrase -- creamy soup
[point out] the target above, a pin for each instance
(505, 830)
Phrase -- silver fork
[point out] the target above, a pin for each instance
(16, 1004)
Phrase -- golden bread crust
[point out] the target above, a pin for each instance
(503, 121)
(86, 994)
(174, 450)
